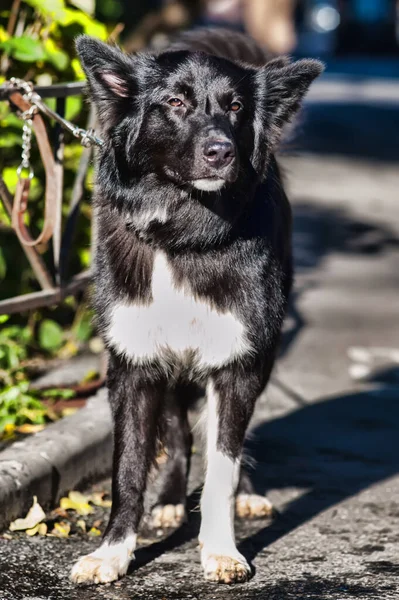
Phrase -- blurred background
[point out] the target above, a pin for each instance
(340, 163)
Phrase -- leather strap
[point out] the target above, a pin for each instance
(20, 204)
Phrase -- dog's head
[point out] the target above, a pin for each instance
(192, 118)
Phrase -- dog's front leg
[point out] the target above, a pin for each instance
(231, 396)
(135, 397)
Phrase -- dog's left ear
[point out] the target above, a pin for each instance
(279, 90)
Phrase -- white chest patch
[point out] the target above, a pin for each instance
(175, 322)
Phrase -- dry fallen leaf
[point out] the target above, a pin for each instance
(8, 431)
(70, 349)
(94, 532)
(68, 411)
(29, 428)
(78, 496)
(98, 500)
(77, 502)
(42, 529)
(33, 531)
(6, 536)
(35, 515)
(51, 414)
(91, 375)
(97, 523)
(81, 524)
(61, 512)
(61, 529)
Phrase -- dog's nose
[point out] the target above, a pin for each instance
(219, 153)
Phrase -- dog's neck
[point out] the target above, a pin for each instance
(178, 218)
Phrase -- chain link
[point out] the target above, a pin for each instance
(27, 143)
(21, 84)
(87, 137)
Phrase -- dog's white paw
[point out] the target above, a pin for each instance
(253, 506)
(168, 515)
(91, 569)
(106, 564)
(225, 569)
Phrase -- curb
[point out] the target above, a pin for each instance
(58, 459)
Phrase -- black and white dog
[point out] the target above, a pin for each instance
(193, 268)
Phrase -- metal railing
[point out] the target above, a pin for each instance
(53, 281)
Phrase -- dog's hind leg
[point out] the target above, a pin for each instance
(170, 508)
(231, 396)
(135, 395)
(249, 504)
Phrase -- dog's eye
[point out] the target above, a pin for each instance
(235, 106)
(176, 102)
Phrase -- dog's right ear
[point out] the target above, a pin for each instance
(110, 74)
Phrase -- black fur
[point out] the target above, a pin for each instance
(232, 247)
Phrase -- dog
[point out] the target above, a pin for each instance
(193, 269)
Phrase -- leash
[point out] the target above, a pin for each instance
(29, 104)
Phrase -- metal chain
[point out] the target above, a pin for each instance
(26, 147)
(87, 137)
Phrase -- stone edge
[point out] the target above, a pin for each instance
(66, 454)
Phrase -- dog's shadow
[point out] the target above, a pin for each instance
(334, 449)
(185, 533)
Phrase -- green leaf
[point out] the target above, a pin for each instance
(12, 331)
(34, 415)
(7, 420)
(33, 402)
(26, 334)
(85, 257)
(77, 69)
(89, 25)
(59, 393)
(11, 394)
(86, 6)
(50, 335)
(73, 107)
(12, 357)
(4, 319)
(58, 58)
(3, 33)
(52, 8)
(9, 140)
(11, 120)
(84, 329)
(24, 49)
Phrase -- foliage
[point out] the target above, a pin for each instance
(19, 405)
(37, 44)
(46, 40)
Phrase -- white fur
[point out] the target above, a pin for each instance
(217, 501)
(175, 321)
(142, 219)
(208, 185)
(107, 563)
